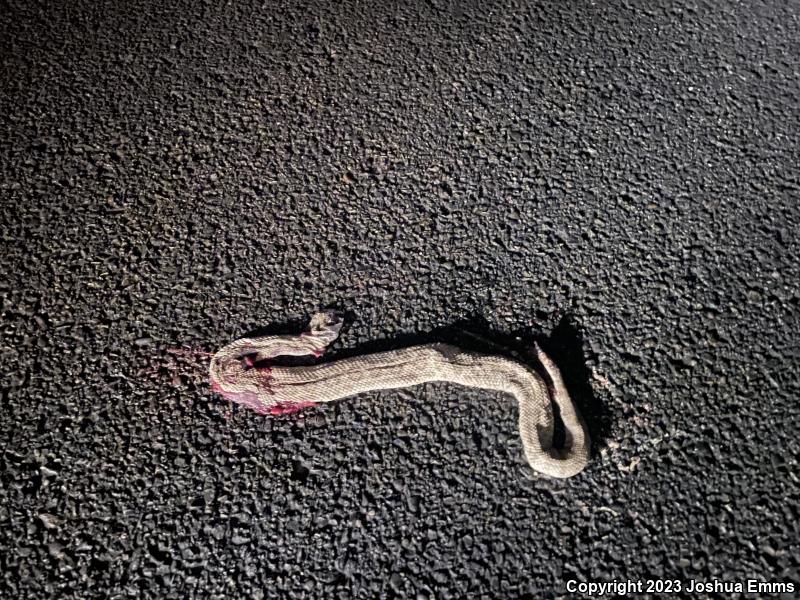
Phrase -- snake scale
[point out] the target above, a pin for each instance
(243, 372)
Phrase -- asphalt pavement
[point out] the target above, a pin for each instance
(617, 181)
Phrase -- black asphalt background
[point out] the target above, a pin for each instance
(618, 182)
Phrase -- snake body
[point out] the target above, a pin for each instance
(243, 372)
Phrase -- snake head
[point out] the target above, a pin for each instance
(325, 325)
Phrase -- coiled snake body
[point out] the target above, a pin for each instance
(241, 372)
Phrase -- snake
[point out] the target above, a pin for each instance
(246, 372)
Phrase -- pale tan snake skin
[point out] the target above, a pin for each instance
(242, 372)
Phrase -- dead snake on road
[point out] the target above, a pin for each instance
(242, 372)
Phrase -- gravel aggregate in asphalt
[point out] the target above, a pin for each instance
(617, 181)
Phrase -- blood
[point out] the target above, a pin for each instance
(248, 399)
(252, 401)
(189, 352)
(289, 408)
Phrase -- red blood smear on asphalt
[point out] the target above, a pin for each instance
(288, 408)
(189, 352)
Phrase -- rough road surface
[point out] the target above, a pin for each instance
(619, 183)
